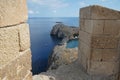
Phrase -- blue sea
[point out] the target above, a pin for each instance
(42, 43)
(72, 43)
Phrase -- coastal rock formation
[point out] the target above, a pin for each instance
(62, 55)
(71, 71)
(43, 77)
(63, 31)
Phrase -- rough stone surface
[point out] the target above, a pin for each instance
(12, 12)
(18, 67)
(64, 72)
(9, 44)
(62, 55)
(85, 13)
(105, 55)
(43, 77)
(98, 12)
(103, 68)
(71, 72)
(64, 31)
(84, 55)
(99, 38)
(92, 26)
(85, 37)
(24, 36)
(15, 55)
(28, 76)
(104, 41)
(112, 27)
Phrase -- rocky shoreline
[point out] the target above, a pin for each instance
(61, 56)
(62, 65)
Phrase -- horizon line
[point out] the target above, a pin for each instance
(51, 17)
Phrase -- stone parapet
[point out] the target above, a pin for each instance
(99, 48)
(12, 12)
(15, 53)
(18, 67)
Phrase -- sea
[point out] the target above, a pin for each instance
(42, 43)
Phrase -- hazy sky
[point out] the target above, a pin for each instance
(65, 8)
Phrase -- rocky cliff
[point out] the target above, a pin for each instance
(62, 55)
(65, 32)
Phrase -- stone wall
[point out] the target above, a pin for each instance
(15, 54)
(99, 36)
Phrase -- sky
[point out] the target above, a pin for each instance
(65, 8)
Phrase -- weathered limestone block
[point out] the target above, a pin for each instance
(98, 12)
(110, 55)
(92, 26)
(112, 27)
(18, 67)
(85, 13)
(103, 68)
(104, 55)
(24, 36)
(86, 49)
(99, 38)
(12, 12)
(9, 44)
(104, 41)
(96, 54)
(28, 76)
(111, 77)
(85, 37)
(99, 41)
(12, 40)
(24, 64)
(84, 56)
(84, 61)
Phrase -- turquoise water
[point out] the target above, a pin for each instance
(72, 44)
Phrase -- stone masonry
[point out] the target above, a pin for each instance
(99, 48)
(15, 53)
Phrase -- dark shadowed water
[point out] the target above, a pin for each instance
(41, 41)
